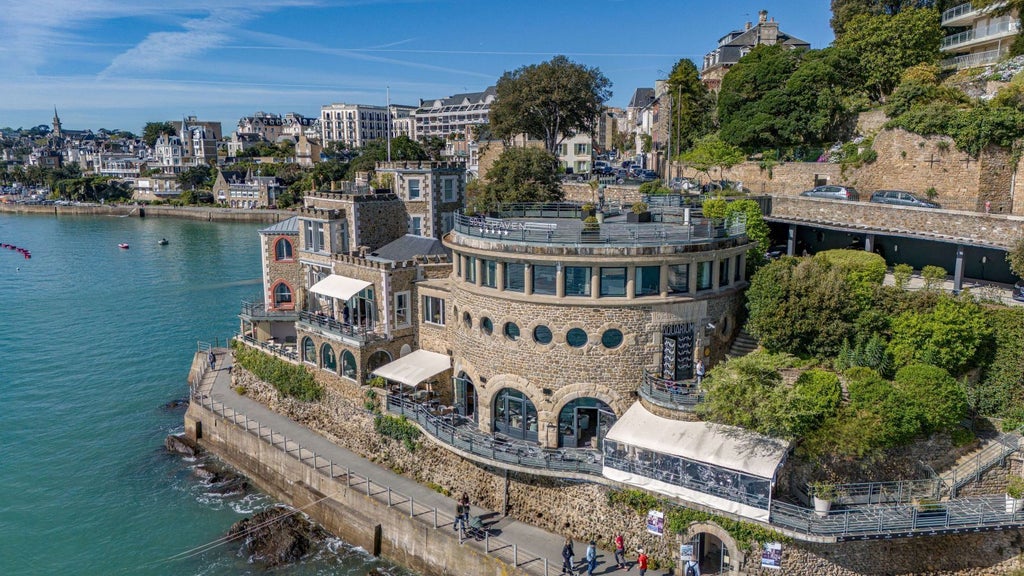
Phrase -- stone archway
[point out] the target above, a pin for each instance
(716, 544)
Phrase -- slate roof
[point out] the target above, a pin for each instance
(408, 247)
(287, 226)
(642, 97)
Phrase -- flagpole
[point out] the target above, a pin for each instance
(389, 123)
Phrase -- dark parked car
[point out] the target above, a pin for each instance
(647, 175)
(901, 198)
(832, 193)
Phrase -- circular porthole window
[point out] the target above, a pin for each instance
(467, 320)
(486, 325)
(511, 331)
(576, 338)
(542, 335)
(612, 338)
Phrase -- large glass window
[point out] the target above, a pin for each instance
(314, 233)
(490, 278)
(542, 334)
(512, 331)
(401, 309)
(545, 279)
(470, 269)
(648, 280)
(414, 189)
(327, 354)
(704, 275)
(308, 350)
(433, 310)
(613, 281)
(348, 365)
(515, 276)
(448, 186)
(282, 296)
(416, 225)
(679, 278)
(576, 338)
(577, 281)
(723, 272)
(515, 415)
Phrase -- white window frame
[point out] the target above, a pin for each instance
(448, 186)
(413, 184)
(416, 225)
(429, 305)
(402, 311)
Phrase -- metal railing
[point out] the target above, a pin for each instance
(255, 309)
(994, 453)
(446, 430)
(286, 352)
(673, 394)
(956, 12)
(976, 59)
(675, 477)
(429, 516)
(977, 34)
(361, 333)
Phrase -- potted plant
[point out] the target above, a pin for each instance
(823, 493)
(1014, 494)
(587, 210)
(591, 229)
(638, 213)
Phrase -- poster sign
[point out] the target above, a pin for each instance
(685, 552)
(656, 522)
(771, 555)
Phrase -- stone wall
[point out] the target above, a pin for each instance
(582, 510)
(287, 271)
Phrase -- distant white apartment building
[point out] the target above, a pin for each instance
(979, 36)
(357, 124)
(454, 114)
(270, 127)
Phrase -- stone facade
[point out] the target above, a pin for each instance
(432, 192)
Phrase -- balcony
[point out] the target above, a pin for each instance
(683, 395)
(257, 311)
(964, 14)
(331, 326)
(973, 60)
(994, 31)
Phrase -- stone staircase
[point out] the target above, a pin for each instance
(743, 344)
(969, 467)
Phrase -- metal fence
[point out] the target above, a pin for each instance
(326, 322)
(676, 395)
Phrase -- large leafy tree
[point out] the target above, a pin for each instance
(522, 175)
(952, 336)
(402, 148)
(845, 10)
(692, 106)
(550, 101)
(887, 45)
(153, 130)
(710, 153)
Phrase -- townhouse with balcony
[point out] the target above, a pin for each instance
(978, 36)
(355, 125)
(738, 43)
(245, 190)
(455, 114)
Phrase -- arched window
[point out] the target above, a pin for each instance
(283, 249)
(348, 365)
(515, 415)
(283, 296)
(327, 354)
(376, 360)
(583, 420)
(308, 350)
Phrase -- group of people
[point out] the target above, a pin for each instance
(569, 557)
(461, 512)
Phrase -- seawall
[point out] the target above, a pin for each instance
(347, 505)
(210, 214)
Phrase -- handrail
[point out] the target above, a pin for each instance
(982, 33)
(675, 394)
(278, 350)
(329, 323)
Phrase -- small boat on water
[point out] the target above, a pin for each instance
(163, 242)
(123, 245)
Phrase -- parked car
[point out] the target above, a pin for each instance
(777, 251)
(681, 184)
(901, 198)
(647, 175)
(832, 193)
(1018, 291)
(717, 185)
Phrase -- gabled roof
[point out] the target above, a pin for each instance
(408, 247)
(287, 226)
(642, 97)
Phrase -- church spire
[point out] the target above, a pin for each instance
(56, 123)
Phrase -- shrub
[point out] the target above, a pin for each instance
(1000, 391)
(639, 208)
(858, 265)
(815, 396)
(933, 276)
(901, 275)
(590, 224)
(289, 379)
(397, 428)
(748, 392)
(939, 400)
(953, 336)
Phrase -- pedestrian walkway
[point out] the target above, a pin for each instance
(532, 543)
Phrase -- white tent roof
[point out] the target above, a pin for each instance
(415, 367)
(724, 446)
(340, 287)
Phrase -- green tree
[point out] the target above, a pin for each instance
(747, 392)
(692, 106)
(844, 10)
(939, 401)
(402, 148)
(815, 396)
(709, 153)
(1015, 257)
(887, 45)
(153, 130)
(522, 175)
(757, 229)
(434, 147)
(550, 101)
(195, 178)
(952, 336)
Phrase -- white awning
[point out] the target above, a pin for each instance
(415, 367)
(724, 446)
(340, 287)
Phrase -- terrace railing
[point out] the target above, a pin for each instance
(673, 394)
(254, 309)
(360, 333)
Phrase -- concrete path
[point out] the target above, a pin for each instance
(532, 541)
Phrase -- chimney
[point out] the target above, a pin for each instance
(747, 27)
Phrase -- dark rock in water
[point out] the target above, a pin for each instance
(235, 487)
(376, 572)
(277, 536)
(181, 445)
(203, 472)
(176, 404)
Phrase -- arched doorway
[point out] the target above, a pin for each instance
(515, 415)
(376, 360)
(713, 548)
(465, 397)
(583, 422)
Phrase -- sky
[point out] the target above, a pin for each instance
(118, 64)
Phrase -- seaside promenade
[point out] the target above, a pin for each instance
(533, 545)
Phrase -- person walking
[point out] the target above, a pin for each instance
(691, 568)
(459, 517)
(700, 371)
(568, 559)
(591, 558)
(212, 359)
(465, 508)
(641, 561)
(620, 551)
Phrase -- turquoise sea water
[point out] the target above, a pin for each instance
(94, 342)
